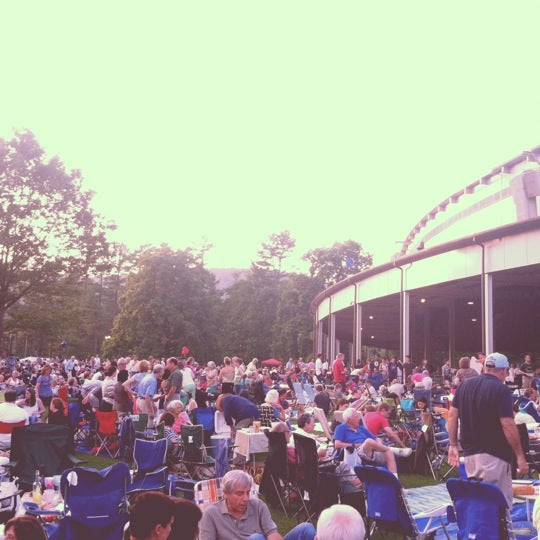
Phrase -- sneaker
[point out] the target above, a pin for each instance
(402, 452)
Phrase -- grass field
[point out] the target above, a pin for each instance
(283, 522)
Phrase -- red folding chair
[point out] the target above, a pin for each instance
(106, 433)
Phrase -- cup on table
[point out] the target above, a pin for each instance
(257, 426)
(48, 496)
(48, 482)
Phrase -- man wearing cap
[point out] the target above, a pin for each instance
(488, 433)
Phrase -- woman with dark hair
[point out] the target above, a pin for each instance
(32, 405)
(24, 528)
(186, 520)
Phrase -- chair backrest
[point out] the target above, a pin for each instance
(106, 422)
(480, 508)
(7, 428)
(386, 505)
(193, 441)
(299, 392)
(307, 461)
(149, 455)
(267, 415)
(74, 412)
(308, 389)
(205, 417)
(208, 492)
(47, 447)
(140, 421)
(321, 418)
(95, 496)
(277, 461)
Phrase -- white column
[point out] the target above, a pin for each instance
(488, 344)
(358, 333)
(405, 325)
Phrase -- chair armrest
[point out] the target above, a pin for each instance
(441, 510)
(75, 460)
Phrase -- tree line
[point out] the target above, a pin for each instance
(65, 289)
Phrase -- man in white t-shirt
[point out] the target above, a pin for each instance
(318, 366)
(10, 414)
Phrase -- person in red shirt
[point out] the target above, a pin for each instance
(377, 422)
(338, 369)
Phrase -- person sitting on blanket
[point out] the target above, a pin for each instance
(358, 440)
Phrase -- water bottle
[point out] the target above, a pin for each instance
(37, 488)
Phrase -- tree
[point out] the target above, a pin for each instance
(335, 263)
(274, 252)
(293, 327)
(170, 301)
(47, 227)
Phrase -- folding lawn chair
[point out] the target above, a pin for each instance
(106, 433)
(210, 491)
(275, 480)
(317, 486)
(310, 393)
(195, 460)
(481, 511)
(150, 472)
(95, 504)
(387, 508)
(47, 447)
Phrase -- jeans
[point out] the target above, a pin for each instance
(303, 531)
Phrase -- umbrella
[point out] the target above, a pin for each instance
(272, 362)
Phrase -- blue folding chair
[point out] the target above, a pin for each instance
(387, 508)
(94, 503)
(150, 460)
(481, 511)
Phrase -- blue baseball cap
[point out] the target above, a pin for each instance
(496, 360)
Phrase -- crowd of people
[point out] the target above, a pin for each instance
(170, 390)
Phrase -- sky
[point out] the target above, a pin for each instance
(233, 120)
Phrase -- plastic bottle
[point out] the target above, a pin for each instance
(37, 489)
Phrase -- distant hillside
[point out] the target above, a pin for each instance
(227, 276)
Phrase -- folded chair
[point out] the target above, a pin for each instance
(149, 458)
(387, 508)
(47, 447)
(314, 484)
(94, 503)
(480, 509)
(275, 482)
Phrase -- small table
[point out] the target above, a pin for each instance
(249, 442)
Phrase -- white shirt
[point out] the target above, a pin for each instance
(318, 366)
(10, 413)
(476, 365)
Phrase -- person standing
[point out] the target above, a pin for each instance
(488, 433)
(338, 369)
(526, 370)
(173, 384)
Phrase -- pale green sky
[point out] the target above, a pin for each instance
(234, 120)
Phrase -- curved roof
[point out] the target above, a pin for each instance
(475, 195)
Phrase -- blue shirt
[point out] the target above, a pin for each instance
(238, 408)
(148, 386)
(344, 433)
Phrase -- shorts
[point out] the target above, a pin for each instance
(377, 457)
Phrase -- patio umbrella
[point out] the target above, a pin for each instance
(272, 362)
